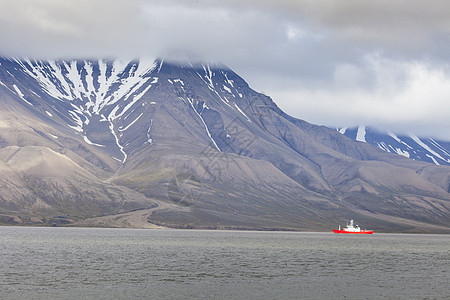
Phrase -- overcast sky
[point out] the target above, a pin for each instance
(341, 63)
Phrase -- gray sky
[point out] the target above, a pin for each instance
(336, 63)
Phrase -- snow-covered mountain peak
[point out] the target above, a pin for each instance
(91, 95)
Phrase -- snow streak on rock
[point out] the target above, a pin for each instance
(361, 135)
(93, 88)
(199, 114)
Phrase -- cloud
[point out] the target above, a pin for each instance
(404, 97)
(362, 56)
(288, 32)
(49, 28)
(53, 28)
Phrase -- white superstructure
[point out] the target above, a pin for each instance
(352, 228)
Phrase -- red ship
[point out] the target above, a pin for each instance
(352, 229)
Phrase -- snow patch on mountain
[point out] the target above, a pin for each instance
(361, 134)
(240, 110)
(21, 95)
(427, 148)
(199, 114)
(86, 139)
(129, 125)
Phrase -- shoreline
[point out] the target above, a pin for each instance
(255, 230)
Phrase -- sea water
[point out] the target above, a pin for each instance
(91, 263)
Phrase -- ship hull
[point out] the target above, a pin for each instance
(353, 232)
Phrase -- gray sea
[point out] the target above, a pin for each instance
(88, 263)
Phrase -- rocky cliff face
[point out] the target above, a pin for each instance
(88, 138)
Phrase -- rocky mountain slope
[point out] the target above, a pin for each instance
(89, 138)
(411, 146)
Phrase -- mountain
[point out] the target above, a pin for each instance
(411, 146)
(191, 146)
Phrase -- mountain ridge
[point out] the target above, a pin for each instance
(411, 146)
(220, 155)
